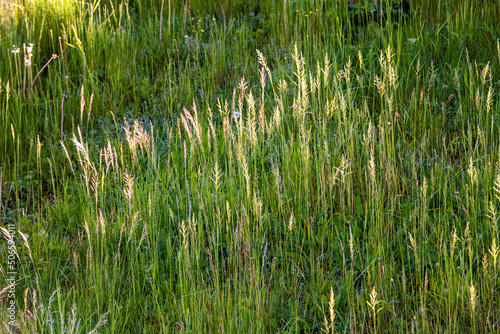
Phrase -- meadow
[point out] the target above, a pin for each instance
(295, 166)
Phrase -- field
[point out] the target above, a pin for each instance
(249, 166)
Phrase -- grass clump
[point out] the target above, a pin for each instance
(198, 169)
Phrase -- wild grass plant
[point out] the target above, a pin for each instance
(247, 167)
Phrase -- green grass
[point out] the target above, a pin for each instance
(358, 190)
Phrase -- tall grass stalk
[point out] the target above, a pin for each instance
(230, 167)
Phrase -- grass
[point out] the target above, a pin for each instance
(249, 166)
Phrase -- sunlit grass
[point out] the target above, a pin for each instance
(259, 168)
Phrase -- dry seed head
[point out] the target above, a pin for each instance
(318, 77)
(216, 175)
(346, 73)
(282, 86)
(492, 213)
(101, 222)
(312, 83)
(489, 99)
(467, 231)
(251, 121)
(301, 78)
(498, 49)
(184, 233)
(371, 168)
(351, 244)
(179, 127)
(478, 99)
(9, 237)
(383, 61)
(82, 103)
(331, 106)
(485, 73)
(90, 104)
(257, 205)
(102, 321)
(413, 243)
(129, 189)
(25, 298)
(424, 189)
(193, 121)
(246, 174)
(291, 223)
(25, 240)
(473, 297)
(373, 300)
(371, 138)
(326, 150)
(150, 204)
(131, 140)
(263, 63)
(262, 79)
(326, 70)
(38, 147)
(496, 187)
(3, 292)
(242, 85)
(380, 85)
(240, 153)
(144, 235)
(87, 229)
(110, 156)
(228, 211)
(94, 184)
(277, 114)
(345, 168)
(360, 57)
(219, 107)
(262, 60)
(393, 77)
(142, 136)
(421, 100)
(233, 101)
(486, 265)
(390, 102)
(332, 305)
(494, 251)
(389, 54)
(82, 149)
(343, 103)
(454, 239)
(329, 323)
(214, 134)
(224, 110)
(170, 213)
(334, 177)
(34, 298)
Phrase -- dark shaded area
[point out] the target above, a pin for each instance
(397, 12)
